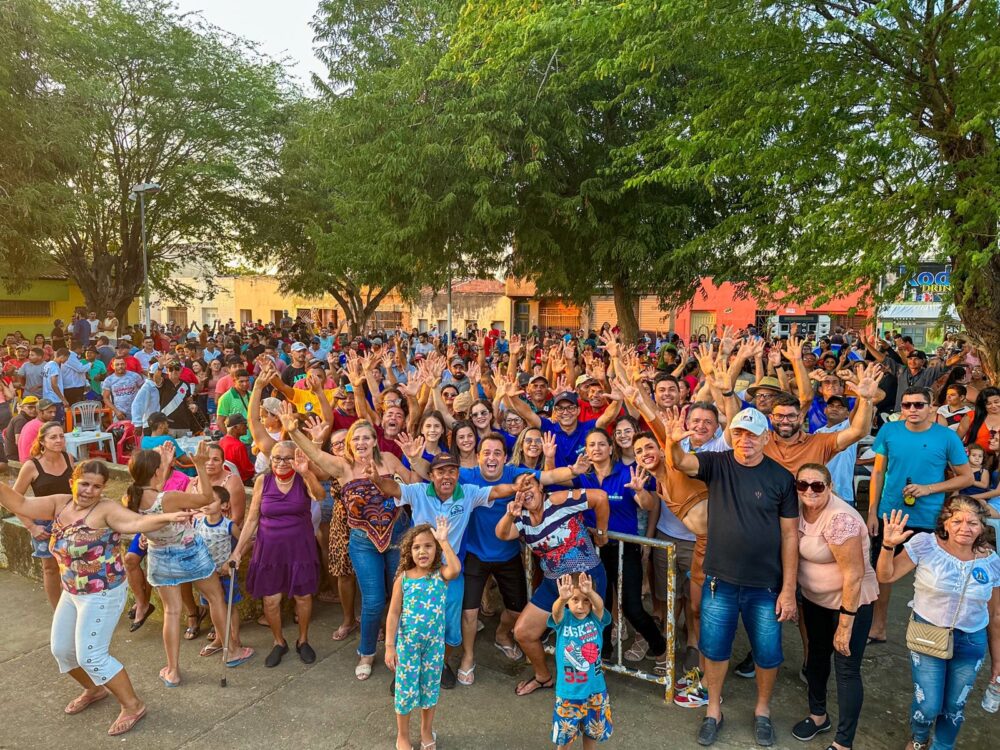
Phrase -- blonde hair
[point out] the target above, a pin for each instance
(38, 447)
(349, 442)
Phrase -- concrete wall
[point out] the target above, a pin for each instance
(485, 309)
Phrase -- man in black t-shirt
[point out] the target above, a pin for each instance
(751, 561)
(296, 371)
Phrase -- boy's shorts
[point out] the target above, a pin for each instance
(590, 717)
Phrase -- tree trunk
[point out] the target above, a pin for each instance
(625, 303)
(977, 298)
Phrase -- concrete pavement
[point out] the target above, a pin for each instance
(295, 706)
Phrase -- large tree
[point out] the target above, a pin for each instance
(560, 124)
(39, 143)
(849, 138)
(165, 98)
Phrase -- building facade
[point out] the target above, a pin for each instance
(477, 302)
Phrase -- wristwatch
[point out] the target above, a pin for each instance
(600, 532)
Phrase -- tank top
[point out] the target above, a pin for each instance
(172, 534)
(89, 559)
(51, 484)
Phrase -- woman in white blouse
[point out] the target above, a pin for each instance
(957, 585)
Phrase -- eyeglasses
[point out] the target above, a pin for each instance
(912, 404)
(565, 407)
(532, 441)
(282, 459)
(816, 487)
(476, 414)
(785, 417)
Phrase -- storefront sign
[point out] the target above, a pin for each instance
(931, 283)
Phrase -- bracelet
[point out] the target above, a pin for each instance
(727, 394)
(889, 547)
(845, 611)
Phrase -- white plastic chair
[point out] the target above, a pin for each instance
(84, 414)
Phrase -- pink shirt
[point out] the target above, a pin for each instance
(224, 384)
(26, 437)
(820, 576)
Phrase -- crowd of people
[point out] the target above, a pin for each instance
(410, 471)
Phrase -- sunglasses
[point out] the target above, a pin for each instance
(817, 487)
(912, 404)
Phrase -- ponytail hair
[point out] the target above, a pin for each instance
(142, 467)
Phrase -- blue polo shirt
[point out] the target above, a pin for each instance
(624, 516)
(426, 507)
(482, 538)
(568, 447)
(817, 411)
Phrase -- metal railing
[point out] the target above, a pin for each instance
(669, 635)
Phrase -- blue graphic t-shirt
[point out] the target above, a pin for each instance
(579, 672)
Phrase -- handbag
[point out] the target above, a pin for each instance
(934, 640)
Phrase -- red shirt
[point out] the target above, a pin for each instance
(132, 365)
(233, 450)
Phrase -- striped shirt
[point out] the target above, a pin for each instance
(560, 540)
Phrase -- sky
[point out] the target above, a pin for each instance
(281, 27)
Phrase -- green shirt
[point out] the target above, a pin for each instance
(97, 372)
(232, 402)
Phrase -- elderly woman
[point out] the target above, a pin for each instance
(285, 559)
(838, 590)
(957, 586)
(175, 554)
(555, 530)
(47, 472)
(86, 544)
(374, 521)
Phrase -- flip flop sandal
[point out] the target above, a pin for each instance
(341, 633)
(136, 624)
(538, 686)
(191, 633)
(246, 654)
(79, 703)
(210, 650)
(872, 641)
(432, 745)
(125, 724)
(512, 652)
(211, 635)
(467, 676)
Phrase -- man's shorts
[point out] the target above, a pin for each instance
(683, 557)
(453, 611)
(722, 605)
(509, 576)
(590, 717)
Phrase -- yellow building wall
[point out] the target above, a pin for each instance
(485, 309)
(25, 311)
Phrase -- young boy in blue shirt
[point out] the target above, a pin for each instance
(582, 704)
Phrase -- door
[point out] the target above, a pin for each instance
(702, 323)
(522, 317)
(178, 316)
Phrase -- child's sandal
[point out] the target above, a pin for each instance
(432, 745)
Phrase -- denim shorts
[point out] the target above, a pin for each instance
(722, 604)
(547, 592)
(40, 547)
(179, 563)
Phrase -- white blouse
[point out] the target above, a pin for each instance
(940, 577)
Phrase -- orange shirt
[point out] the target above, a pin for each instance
(803, 449)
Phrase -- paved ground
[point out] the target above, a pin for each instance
(294, 706)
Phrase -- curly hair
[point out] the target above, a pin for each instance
(961, 504)
(406, 561)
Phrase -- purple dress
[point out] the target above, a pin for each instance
(285, 559)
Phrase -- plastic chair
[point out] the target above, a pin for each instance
(994, 523)
(231, 467)
(84, 416)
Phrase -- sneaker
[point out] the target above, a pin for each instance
(693, 696)
(691, 677)
(746, 668)
(806, 729)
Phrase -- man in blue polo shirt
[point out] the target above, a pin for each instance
(569, 431)
(445, 496)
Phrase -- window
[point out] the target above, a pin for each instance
(760, 321)
(209, 315)
(178, 316)
(246, 316)
(387, 320)
(422, 325)
(23, 308)
(522, 315)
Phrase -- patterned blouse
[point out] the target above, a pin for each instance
(90, 560)
(370, 511)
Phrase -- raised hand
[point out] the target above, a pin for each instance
(167, 452)
(289, 419)
(565, 586)
(300, 463)
(515, 506)
(549, 445)
(200, 455)
(440, 530)
(610, 344)
(412, 448)
(638, 477)
(586, 584)
(673, 423)
(894, 531)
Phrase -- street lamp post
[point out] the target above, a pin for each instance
(139, 193)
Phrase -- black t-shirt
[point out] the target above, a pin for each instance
(292, 375)
(745, 504)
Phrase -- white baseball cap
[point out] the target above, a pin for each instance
(752, 420)
(298, 346)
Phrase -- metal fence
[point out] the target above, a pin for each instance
(669, 596)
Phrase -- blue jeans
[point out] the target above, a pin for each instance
(722, 604)
(941, 687)
(375, 571)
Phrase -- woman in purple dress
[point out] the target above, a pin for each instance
(285, 558)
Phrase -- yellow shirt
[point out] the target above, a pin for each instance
(307, 402)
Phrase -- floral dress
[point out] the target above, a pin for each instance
(420, 642)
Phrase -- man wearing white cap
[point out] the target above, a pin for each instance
(751, 561)
(296, 371)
